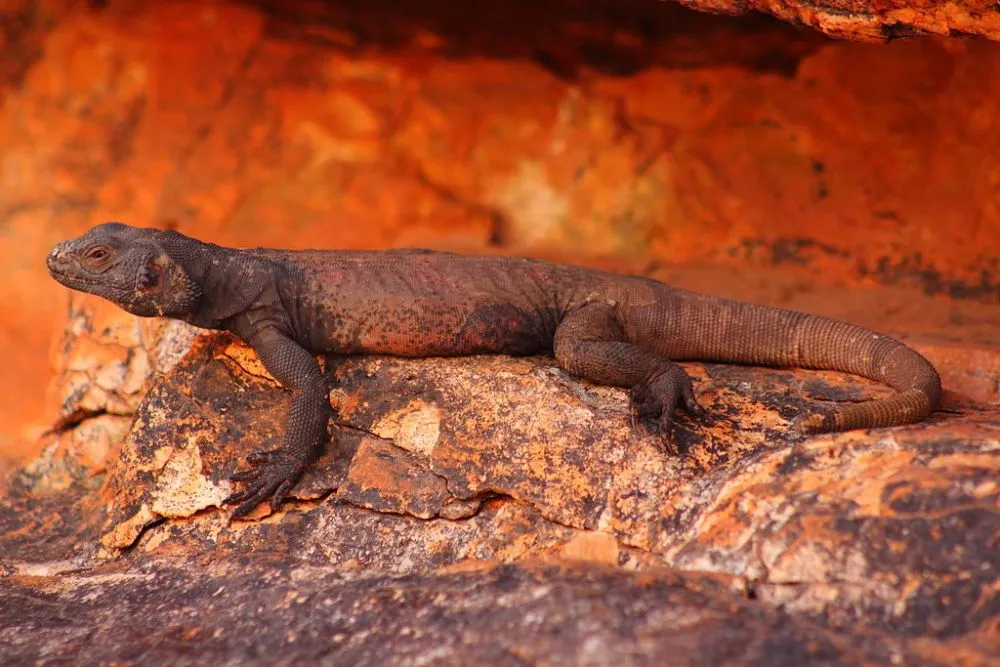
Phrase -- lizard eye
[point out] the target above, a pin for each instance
(98, 254)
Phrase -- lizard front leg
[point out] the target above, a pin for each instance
(591, 343)
(275, 472)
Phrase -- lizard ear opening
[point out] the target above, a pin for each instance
(151, 277)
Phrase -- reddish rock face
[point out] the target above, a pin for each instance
(874, 21)
(633, 129)
(735, 155)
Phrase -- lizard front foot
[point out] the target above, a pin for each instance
(273, 474)
(659, 397)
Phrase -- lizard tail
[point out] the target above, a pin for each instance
(840, 346)
(759, 335)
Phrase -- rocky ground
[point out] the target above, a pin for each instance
(491, 509)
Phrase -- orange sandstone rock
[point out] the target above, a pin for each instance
(635, 129)
(495, 510)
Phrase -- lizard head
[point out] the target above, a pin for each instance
(129, 266)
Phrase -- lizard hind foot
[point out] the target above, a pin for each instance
(658, 399)
(271, 475)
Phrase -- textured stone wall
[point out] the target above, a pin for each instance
(630, 129)
(874, 20)
(496, 510)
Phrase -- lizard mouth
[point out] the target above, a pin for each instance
(87, 285)
(74, 280)
(67, 271)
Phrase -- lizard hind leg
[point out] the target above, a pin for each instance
(591, 343)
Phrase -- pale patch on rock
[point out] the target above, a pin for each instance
(125, 532)
(166, 342)
(415, 428)
(181, 488)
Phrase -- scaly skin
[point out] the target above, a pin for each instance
(614, 330)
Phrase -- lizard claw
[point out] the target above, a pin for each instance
(690, 402)
(272, 475)
(658, 399)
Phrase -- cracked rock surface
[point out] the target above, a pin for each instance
(489, 509)
(873, 20)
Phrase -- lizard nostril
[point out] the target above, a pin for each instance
(55, 257)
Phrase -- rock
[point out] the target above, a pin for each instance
(637, 129)
(495, 510)
(873, 21)
(103, 362)
(497, 464)
(538, 613)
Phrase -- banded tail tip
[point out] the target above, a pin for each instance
(815, 422)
